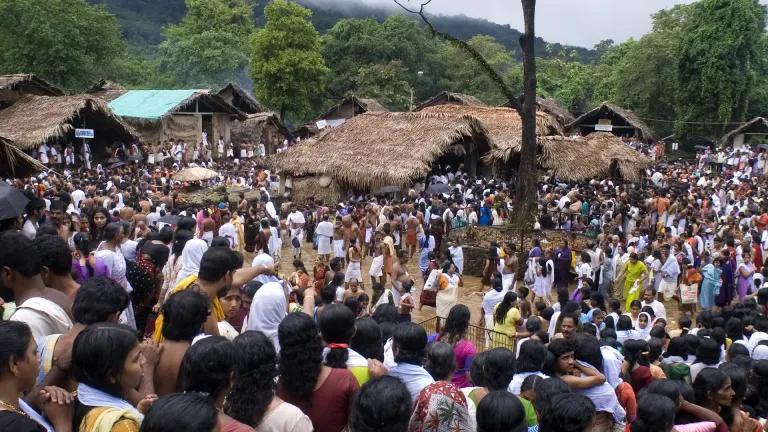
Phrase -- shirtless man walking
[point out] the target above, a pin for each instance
(354, 256)
(509, 270)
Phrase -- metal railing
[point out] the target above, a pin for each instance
(482, 338)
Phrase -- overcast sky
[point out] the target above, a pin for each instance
(574, 22)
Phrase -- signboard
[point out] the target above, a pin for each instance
(321, 124)
(603, 128)
(84, 133)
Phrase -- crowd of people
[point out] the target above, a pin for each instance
(127, 310)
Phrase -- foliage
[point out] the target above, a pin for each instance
(466, 76)
(718, 52)
(387, 83)
(287, 64)
(209, 48)
(68, 42)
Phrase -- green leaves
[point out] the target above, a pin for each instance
(66, 41)
(287, 64)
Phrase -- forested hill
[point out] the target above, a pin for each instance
(142, 22)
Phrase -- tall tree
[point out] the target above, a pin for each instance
(287, 63)
(466, 76)
(387, 83)
(66, 41)
(719, 49)
(209, 47)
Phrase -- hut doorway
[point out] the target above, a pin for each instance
(208, 128)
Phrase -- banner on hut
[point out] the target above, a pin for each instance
(84, 133)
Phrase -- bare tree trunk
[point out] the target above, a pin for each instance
(524, 205)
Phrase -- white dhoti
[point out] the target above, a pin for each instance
(353, 272)
(507, 281)
(338, 248)
(459, 263)
(324, 245)
(667, 289)
(377, 267)
(489, 327)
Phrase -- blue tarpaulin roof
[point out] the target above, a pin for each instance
(149, 104)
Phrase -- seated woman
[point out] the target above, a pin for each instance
(108, 361)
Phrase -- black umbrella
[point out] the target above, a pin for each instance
(438, 188)
(169, 219)
(12, 201)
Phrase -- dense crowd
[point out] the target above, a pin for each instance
(126, 309)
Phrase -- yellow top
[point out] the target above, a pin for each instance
(185, 283)
(107, 419)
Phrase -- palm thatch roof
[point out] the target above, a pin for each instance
(37, 119)
(29, 83)
(758, 125)
(240, 98)
(195, 174)
(252, 128)
(503, 125)
(599, 154)
(552, 107)
(449, 98)
(351, 106)
(382, 148)
(622, 120)
(15, 163)
(372, 105)
(107, 90)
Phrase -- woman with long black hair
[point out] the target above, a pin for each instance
(252, 399)
(321, 392)
(454, 333)
(506, 318)
(337, 325)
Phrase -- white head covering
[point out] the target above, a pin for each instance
(190, 258)
(760, 353)
(268, 309)
(756, 338)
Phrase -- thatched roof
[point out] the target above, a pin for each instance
(37, 119)
(757, 125)
(372, 105)
(107, 90)
(23, 82)
(552, 107)
(195, 174)
(599, 154)
(153, 105)
(240, 98)
(358, 106)
(606, 110)
(448, 98)
(378, 149)
(15, 163)
(251, 128)
(503, 126)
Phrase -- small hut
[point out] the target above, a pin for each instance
(35, 120)
(448, 98)
(744, 135)
(349, 107)
(14, 87)
(159, 115)
(598, 155)
(107, 90)
(378, 149)
(264, 127)
(240, 99)
(611, 118)
(15, 163)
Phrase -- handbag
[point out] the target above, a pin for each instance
(689, 293)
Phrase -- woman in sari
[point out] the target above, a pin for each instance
(108, 364)
(454, 333)
(710, 286)
(109, 251)
(745, 272)
(441, 405)
(190, 259)
(85, 264)
(146, 278)
(447, 289)
(172, 266)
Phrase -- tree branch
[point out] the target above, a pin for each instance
(495, 77)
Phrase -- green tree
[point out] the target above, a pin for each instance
(466, 76)
(68, 42)
(387, 83)
(287, 64)
(718, 52)
(210, 46)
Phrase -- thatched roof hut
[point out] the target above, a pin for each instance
(240, 98)
(449, 98)
(551, 107)
(611, 118)
(15, 163)
(378, 149)
(107, 90)
(599, 154)
(264, 127)
(736, 137)
(347, 108)
(34, 120)
(14, 87)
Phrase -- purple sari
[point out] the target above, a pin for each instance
(82, 273)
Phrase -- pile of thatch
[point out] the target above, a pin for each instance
(378, 149)
(607, 109)
(597, 155)
(449, 98)
(34, 120)
(195, 174)
(503, 126)
(15, 163)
